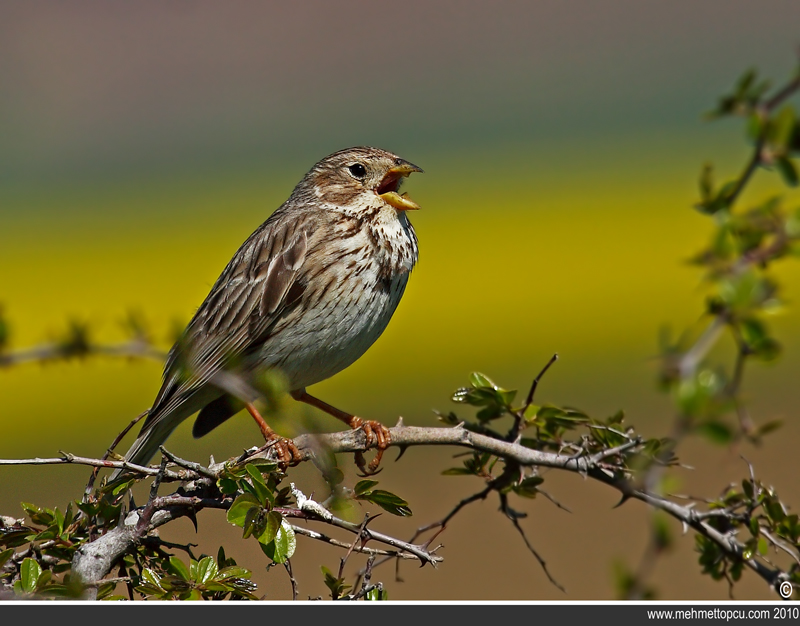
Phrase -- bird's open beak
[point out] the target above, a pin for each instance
(387, 190)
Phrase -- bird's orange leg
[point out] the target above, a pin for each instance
(377, 434)
(286, 451)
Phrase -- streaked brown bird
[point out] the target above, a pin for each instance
(308, 292)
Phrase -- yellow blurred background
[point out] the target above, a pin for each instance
(561, 143)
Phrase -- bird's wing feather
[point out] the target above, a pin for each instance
(250, 296)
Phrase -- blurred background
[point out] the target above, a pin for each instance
(141, 143)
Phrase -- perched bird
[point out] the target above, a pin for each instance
(308, 292)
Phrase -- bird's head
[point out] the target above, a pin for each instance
(359, 178)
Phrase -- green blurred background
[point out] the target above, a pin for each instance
(140, 144)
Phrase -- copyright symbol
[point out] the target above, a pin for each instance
(785, 590)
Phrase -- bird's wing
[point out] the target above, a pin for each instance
(254, 291)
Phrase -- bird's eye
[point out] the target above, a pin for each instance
(358, 170)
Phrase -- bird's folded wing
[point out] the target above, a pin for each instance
(256, 288)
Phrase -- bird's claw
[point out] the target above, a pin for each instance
(377, 436)
(286, 453)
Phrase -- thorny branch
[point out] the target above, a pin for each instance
(96, 558)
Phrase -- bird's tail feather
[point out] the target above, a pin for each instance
(147, 443)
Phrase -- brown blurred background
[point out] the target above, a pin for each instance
(140, 144)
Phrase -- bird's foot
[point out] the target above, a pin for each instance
(286, 453)
(377, 436)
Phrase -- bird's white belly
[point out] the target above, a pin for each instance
(329, 338)
(369, 278)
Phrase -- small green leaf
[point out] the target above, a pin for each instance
(774, 510)
(207, 569)
(4, 556)
(376, 594)
(478, 380)
(227, 486)
(240, 508)
(283, 546)
(254, 522)
(390, 502)
(263, 492)
(178, 568)
(234, 571)
(531, 411)
(458, 471)
(782, 127)
(29, 573)
(787, 171)
(527, 488)
(38, 514)
(363, 486)
(122, 487)
(150, 577)
(272, 523)
(769, 427)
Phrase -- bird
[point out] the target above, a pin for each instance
(307, 294)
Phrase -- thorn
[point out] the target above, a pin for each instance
(623, 500)
(402, 452)
(400, 423)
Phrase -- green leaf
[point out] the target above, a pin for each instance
(283, 546)
(527, 488)
(782, 127)
(122, 487)
(240, 508)
(59, 520)
(774, 510)
(29, 573)
(254, 522)
(530, 412)
(377, 594)
(263, 492)
(228, 486)
(505, 396)
(769, 427)
(4, 556)
(478, 380)
(38, 514)
(363, 486)
(207, 569)
(787, 171)
(390, 502)
(272, 522)
(234, 571)
(335, 585)
(151, 578)
(178, 568)
(458, 471)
